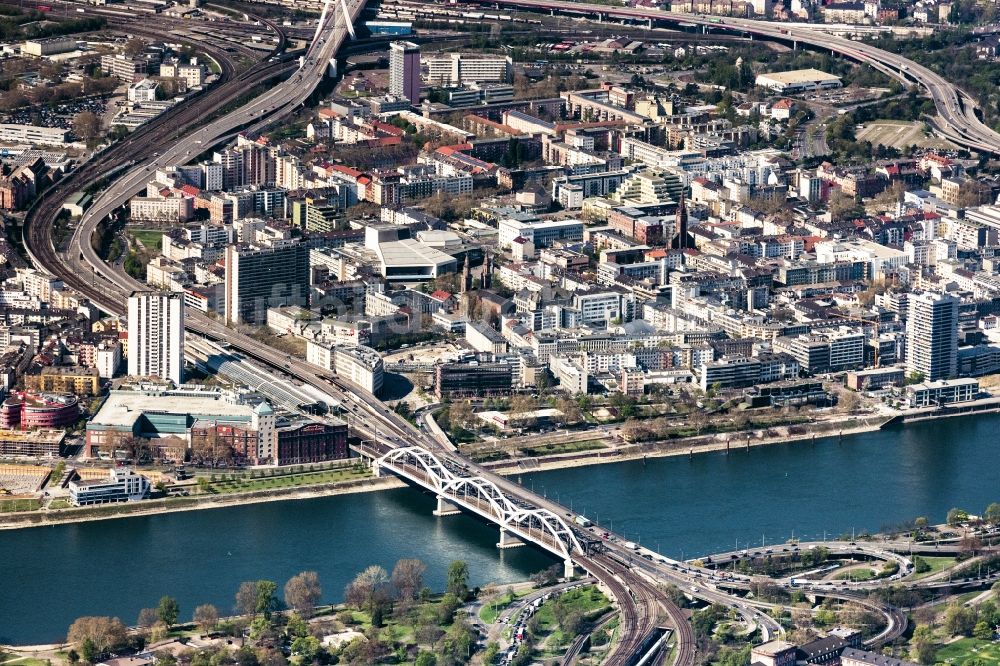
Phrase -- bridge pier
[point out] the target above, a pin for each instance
(569, 569)
(508, 540)
(445, 508)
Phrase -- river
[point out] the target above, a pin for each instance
(685, 506)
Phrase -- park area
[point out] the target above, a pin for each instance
(274, 479)
(970, 652)
(900, 134)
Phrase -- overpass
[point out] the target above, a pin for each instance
(957, 122)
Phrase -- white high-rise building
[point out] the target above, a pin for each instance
(404, 70)
(156, 335)
(932, 336)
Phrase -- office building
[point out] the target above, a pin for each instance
(459, 68)
(121, 485)
(932, 336)
(472, 379)
(33, 134)
(404, 71)
(156, 335)
(262, 277)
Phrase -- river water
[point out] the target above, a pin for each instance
(683, 506)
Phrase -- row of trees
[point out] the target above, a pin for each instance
(96, 636)
(375, 591)
(991, 515)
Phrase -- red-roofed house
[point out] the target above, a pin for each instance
(782, 109)
(445, 300)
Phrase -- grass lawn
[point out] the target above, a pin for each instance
(12, 505)
(24, 661)
(490, 611)
(243, 484)
(936, 564)
(957, 653)
(587, 601)
(856, 574)
(567, 447)
(60, 503)
(151, 239)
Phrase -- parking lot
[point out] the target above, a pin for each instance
(57, 115)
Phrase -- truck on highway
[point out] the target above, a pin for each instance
(631, 545)
(582, 521)
(795, 582)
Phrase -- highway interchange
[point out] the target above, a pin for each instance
(632, 577)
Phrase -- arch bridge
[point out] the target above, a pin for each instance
(456, 489)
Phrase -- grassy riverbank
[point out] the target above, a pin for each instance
(223, 490)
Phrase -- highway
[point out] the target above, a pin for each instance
(957, 120)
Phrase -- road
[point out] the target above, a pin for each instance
(957, 120)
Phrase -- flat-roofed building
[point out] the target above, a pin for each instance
(64, 379)
(461, 68)
(36, 443)
(798, 80)
(540, 233)
(33, 134)
(943, 392)
(122, 485)
(46, 47)
(473, 379)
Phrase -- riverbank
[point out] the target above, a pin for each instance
(690, 446)
(735, 441)
(174, 505)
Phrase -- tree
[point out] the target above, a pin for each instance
(306, 647)
(992, 514)
(246, 598)
(255, 598)
(103, 633)
(168, 610)
(458, 579)
(959, 620)
(408, 578)
(841, 206)
(147, 618)
(87, 126)
(207, 617)
(520, 407)
(956, 516)
(849, 402)
(456, 645)
(134, 47)
(983, 631)
(922, 644)
(302, 592)
(547, 576)
(426, 659)
(571, 412)
(369, 591)
(461, 414)
(267, 602)
(921, 522)
(89, 651)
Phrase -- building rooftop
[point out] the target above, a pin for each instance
(122, 408)
(800, 76)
